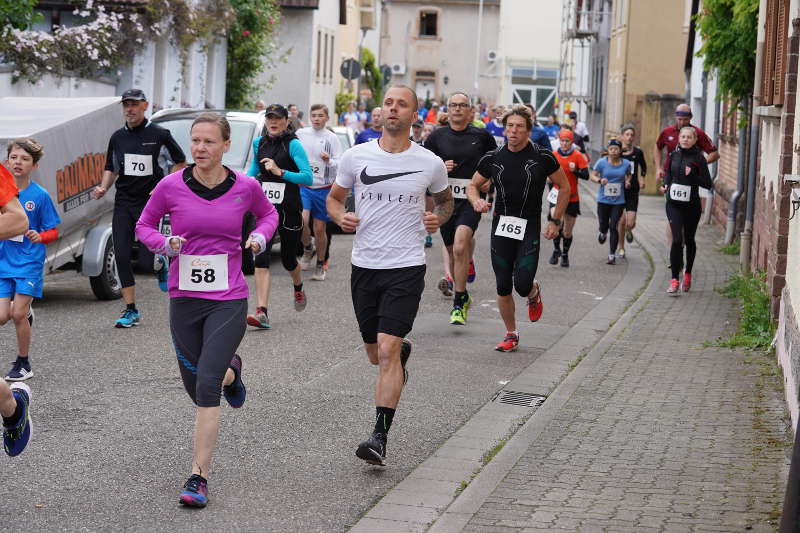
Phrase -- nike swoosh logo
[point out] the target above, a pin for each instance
(366, 179)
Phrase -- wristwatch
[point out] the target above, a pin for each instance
(556, 221)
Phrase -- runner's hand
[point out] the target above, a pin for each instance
(663, 189)
(661, 173)
(627, 184)
(176, 243)
(253, 245)
(603, 181)
(99, 192)
(430, 221)
(33, 236)
(271, 166)
(551, 231)
(350, 222)
(481, 206)
(325, 156)
(450, 165)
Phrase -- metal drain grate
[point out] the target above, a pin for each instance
(523, 399)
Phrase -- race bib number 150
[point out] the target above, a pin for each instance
(274, 191)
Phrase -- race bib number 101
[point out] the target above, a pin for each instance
(203, 273)
(274, 191)
(459, 187)
(511, 227)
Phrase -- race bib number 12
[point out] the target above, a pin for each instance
(612, 190)
(138, 165)
(203, 273)
(274, 191)
(511, 227)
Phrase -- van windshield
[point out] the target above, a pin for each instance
(241, 140)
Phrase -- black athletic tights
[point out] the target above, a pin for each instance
(608, 216)
(123, 226)
(683, 222)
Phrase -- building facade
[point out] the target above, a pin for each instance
(438, 47)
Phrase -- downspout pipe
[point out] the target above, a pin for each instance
(747, 234)
(733, 203)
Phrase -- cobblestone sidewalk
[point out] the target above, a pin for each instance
(664, 433)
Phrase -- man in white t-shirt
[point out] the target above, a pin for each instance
(324, 151)
(389, 178)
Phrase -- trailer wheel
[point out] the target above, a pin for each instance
(106, 286)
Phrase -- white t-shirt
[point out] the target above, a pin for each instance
(389, 191)
(581, 130)
(314, 142)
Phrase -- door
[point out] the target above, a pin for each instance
(426, 89)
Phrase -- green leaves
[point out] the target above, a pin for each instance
(729, 30)
(19, 14)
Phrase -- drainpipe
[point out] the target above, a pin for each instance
(733, 203)
(747, 234)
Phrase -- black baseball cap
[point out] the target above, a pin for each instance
(614, 142)
(134, 94)
(417, 124)
(277, 110)
(573, 114)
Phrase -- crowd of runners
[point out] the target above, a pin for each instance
(409, 181)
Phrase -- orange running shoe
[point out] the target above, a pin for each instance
(535, 306)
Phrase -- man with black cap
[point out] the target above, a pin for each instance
(132, 164)
(416, 132)
(581, 130)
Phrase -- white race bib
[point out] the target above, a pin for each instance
(274, 191)
(138, 165)
(511, 227)
(18, 238)
(552, 196)
(612, 190)
(459, 187)
(680, 193)
(317, 169)
(203, 273)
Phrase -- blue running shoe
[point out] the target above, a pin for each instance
(195, 492)
(161, 267)
(20, 370)
(128, 319)
(17, 435)
(236, 392)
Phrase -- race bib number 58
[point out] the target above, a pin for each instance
(511, 227)
(203, 273)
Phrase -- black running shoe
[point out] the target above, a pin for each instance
(601, 237)
(564, 260)
(373, 450)
(405, 353)
(554, 257)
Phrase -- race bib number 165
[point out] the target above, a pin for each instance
(511, 227)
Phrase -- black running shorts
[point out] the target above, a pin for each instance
(386, 300)
(463, 215)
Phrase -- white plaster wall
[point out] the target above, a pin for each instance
(293, 78)
(50, 86)
(322, 90)
(450, 54)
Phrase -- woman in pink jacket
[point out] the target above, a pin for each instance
(208, 294)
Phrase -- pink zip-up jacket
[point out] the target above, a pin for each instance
(209, 227)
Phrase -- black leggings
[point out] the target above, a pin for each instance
(608, 216)
(290, 230)
(123, 226)
(206, 334)
(515, 262)
(683, 222)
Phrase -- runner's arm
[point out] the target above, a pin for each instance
(175, 152)
(336, 209)
(705, 178)
(298, 154)
(13, 220)
(477, 184)
(266, 217)
(443, 204)
(253, 171)
(711, 157)
(147, 225)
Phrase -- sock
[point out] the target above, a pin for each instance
(298, 288)
(308, 247)
(320, 263)
(567, 244)
(24, 360)
(557, 243)
(13, 419)
(383, 419)
(460, 298)
(264, 309)
(131, 307)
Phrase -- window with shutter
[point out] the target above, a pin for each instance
(781, 41)
(768, 54)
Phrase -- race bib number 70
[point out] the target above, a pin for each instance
(138, 165)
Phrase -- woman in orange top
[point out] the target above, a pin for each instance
(575, 166)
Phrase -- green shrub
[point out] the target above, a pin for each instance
(755, 323)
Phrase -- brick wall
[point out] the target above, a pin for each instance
(773, 206)
(725, 185)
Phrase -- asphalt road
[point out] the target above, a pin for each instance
(113, 426)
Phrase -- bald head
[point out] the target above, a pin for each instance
(683, 115)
